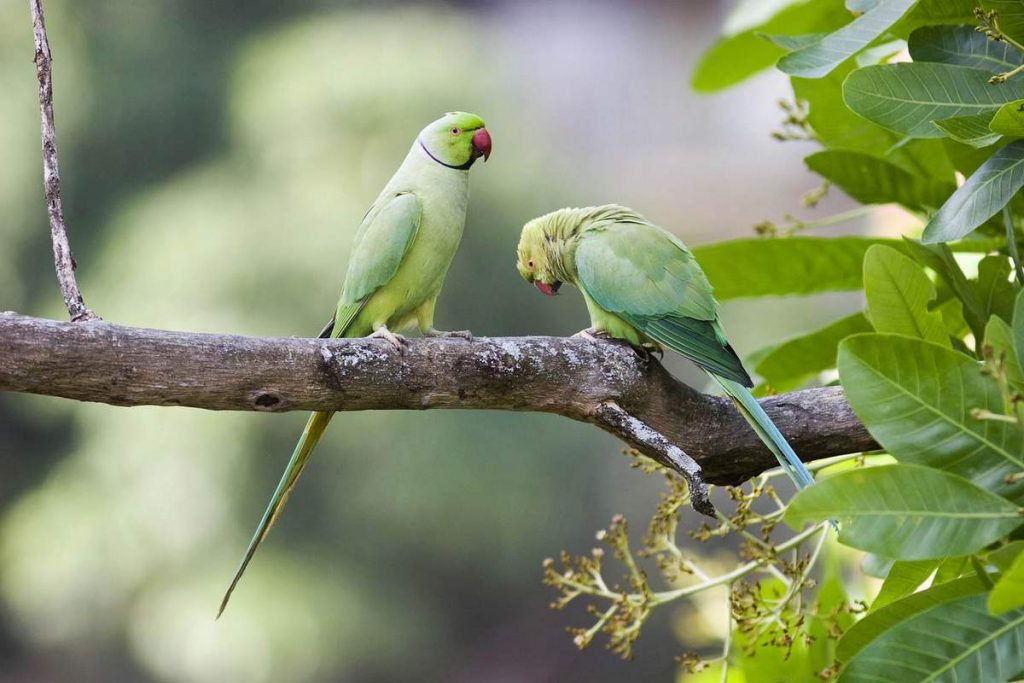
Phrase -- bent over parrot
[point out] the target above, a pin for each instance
(641, 284)
(399, 260)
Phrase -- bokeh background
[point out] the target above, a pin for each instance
(216, 160)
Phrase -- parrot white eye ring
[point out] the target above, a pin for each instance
(529, 264)
(455, 131)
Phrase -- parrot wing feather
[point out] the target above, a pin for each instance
(650, 279)
(382, 241)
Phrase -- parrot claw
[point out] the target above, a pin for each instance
(396, 340)
(461, 334)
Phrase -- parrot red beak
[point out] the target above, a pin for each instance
(482, 144)
(546, 289)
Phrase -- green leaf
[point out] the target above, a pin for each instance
(791, 43)
(964, 46)
(860, 6)
(1008, 593)
(1009, 120)
(985, 193)
(957, 640)
(736, 57)
(904, 578)
(1003, 557)
(915, 398)
(794, 361)
(999, 336)
(932, 12)
(906, 512)
(972, 129)
(836, 127)
(898, 294)
(871, 180)
(879, 621)
(759, 267)
(995, 293)
(1011, 16)
(939, 257)
(819, 60)
(906, 98)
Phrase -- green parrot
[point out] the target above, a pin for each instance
(641, 284)
(401, 254)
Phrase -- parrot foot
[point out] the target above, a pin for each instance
(591, 334)
(461, 334)
(396, 340)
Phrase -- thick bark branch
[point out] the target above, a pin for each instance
(63, 260)
(577, 378)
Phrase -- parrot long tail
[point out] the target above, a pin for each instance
(315, 427)
(767, 431)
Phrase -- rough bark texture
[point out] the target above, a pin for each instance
(577, 378)
(62, 257)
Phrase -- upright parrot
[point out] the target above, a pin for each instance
(402, 251)
(642, 284)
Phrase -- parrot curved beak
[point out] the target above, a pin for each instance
(482, 144)
(546, 289)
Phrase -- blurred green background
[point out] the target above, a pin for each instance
(216, 160)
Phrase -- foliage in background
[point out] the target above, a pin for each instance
(917, 104)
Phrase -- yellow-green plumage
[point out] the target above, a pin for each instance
(402, 252)
(643, 285)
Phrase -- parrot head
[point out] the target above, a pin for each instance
(534, 262)
(456, 140)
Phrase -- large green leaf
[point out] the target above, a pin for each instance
(955, 641)
(906, 98)
(904, 578)
(898, 294)
(915, 398)
(881, 620)
(985, 193)
(1008, 593)
(906, 512)
(819, 60)
(782, 266)
(737, 57)
(836, 127)
(1009, 120)
(871, 180)
(964, 46)
(794, 361)
(972, 129)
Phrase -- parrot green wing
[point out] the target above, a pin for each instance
(385, 235)
(650, 279)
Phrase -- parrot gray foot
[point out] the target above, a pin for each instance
(591, 334)
(396, 340)
(461, 334)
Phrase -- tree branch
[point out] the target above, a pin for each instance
(576, 378)
(63, 260)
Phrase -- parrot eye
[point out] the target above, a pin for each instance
(529, 264)
(455, 131)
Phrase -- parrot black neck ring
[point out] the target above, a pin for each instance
(463, 167)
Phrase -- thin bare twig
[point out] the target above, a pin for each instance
(63, 260)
